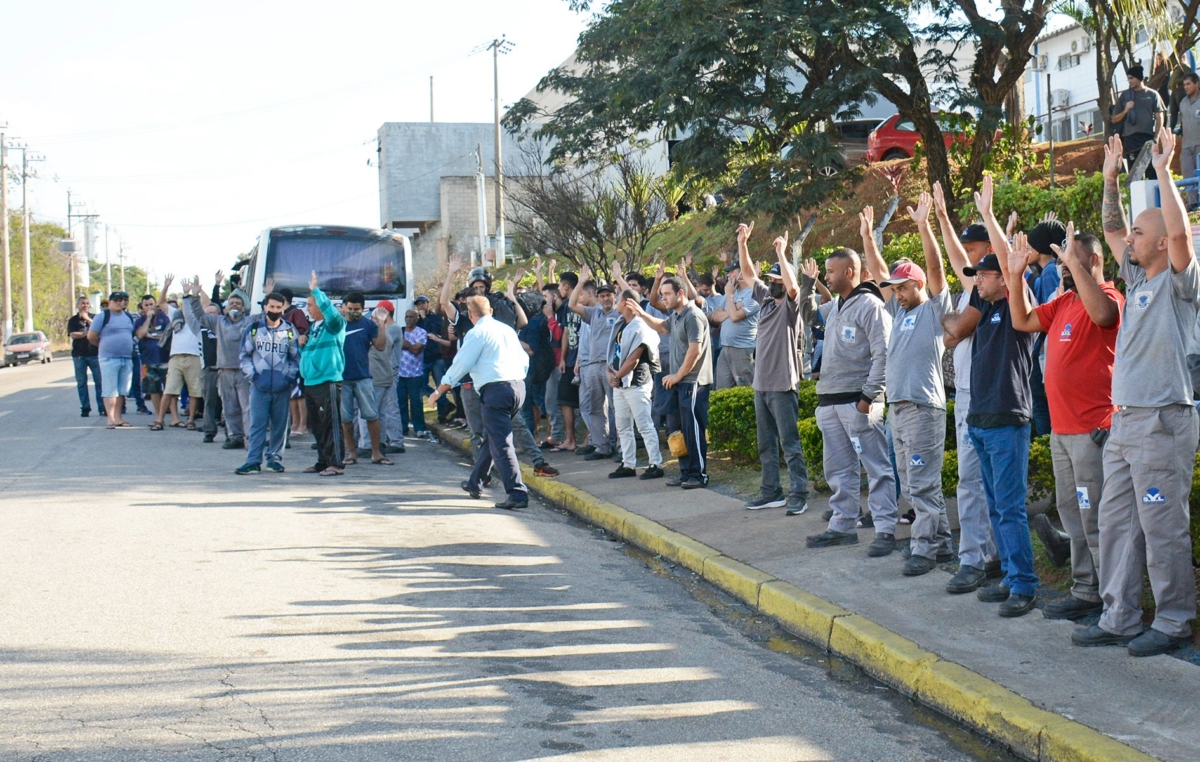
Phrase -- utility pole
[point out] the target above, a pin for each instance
(430, 97)
(121, 256)
(499, 46)
(25, 159)
(481, 192)
(1050, 123)
(107, 263)
(4, 235)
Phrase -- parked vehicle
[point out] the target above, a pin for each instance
(27, 347)
(897, 137)
(853, 136)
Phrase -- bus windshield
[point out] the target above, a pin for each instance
(372, 265)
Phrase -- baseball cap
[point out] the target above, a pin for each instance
(387, 305)
(732, 266)
(420, 299)
(988, 264)
(974, 234)
(776, 272)
(118, 295)
(606, 287)
(1046, 233)
(905, 272)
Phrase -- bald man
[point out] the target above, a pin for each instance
(1149, 456)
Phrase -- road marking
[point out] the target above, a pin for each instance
(4, 413)
(39, 399)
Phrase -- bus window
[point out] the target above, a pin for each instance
(374, 266)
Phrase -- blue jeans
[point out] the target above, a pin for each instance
(1004, 461)
(82, 364)
(535, 396)
(267, 409)
(412, 405)
(437, 369)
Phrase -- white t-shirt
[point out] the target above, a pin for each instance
(184, 342)
(962, 352)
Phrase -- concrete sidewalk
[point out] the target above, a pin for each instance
(1150, 704)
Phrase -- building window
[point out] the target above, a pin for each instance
(1069, 61)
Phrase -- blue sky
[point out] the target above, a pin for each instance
(190, 127)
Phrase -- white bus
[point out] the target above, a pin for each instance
(376, 262)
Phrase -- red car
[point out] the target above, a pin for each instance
(897, 137)
(27, 347)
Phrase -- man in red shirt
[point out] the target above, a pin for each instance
(1081, 337)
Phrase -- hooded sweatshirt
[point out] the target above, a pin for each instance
(228, 332)
(270, 357)
(855, 356)
(322, 359)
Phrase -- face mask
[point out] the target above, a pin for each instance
(234, 314)
(353, 315)
(274, 317)
(776, 290)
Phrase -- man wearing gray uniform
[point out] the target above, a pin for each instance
(977, 554)
(850, 407)
(737, 312)
(1149, 456)
(916, 388)
(228, 328)
(595, 398)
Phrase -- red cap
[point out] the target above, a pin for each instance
(903, 272)
(387, 305)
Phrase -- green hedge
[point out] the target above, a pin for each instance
(814, 453)
(732, 423)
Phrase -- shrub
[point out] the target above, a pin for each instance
(810, 440)
(732, 423)
(808, 399)
(1041, 469)
(951, 429)
(950, 473)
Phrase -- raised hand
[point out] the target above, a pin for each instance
(537, 267)
(866, 222)
(1050, 217)
(519, 275)
(196, 285)
(616, 269)
(723, 256)
(810, 268)
(1163, 150)
(1011, 228)
(661, 270)
(585, 274)
(268, 284)
(939, 200)
(983, 197)
(920, 215)
(1018, 255)
(220, 278)
(312, 280)
(780, 244)
(687, 259)
(550, 269)
(454, 264)
(1067, 254)
(744, 231)
(167, 281)
(1114, 155)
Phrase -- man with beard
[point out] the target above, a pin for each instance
(270, 362)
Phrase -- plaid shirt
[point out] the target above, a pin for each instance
(412, 366)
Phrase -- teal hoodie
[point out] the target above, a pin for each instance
(322, 359)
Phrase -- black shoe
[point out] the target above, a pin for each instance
(827, 514)
(945, 557)
(966, 580)
(616, 455)
(1072, 608)
(994, 569)
(487, 480)
(865, 521)
(1057, 544)
(234, 444)
(512, 505)
(622, 472)
(1017, 605)
(993, 594)
(1152, 642)
(466, 487)
(796, 506)
(210, 438)
(84, 413)
(830, 538)
(597, 455)
(693, 484)
(652, 472)
(585, 450)
(882, 545)
(392, 449)
(918, 565)
(545, 469)
(674, 481)
(766, 501)
(1095, 635)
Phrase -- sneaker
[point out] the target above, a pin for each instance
(652, 472)
(796, 506)
(1153, 642)
(1056, 543)
(248, 468)
(423, 435)
(210, 438)
(466, 487)
(693, 483)
(392, 449)
(830, 538)
(622, 472)
(597, 455)
(766, 501)
(1017, 605)
(674, 481)
(1095, 635)
(993, 594)
(1072, 608)
(84, 413)
(234, 444)
(512, 505)
(966, 580)
(585, 450)
(544, 469)
(882, 545)
(909, 517)
(275, 467)
(918, 565)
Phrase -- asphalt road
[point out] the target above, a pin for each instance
(154, 605)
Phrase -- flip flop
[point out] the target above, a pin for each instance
(349, 462)
(382, 462)
(111, 426)
(178, 425)
(313, 470)
(191, 426)
(560, 448)
(123, 425)
(156, 426)
(331, 471)
(547, 445)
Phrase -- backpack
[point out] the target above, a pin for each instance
(104, 322)
(503, 310)
(541, 363)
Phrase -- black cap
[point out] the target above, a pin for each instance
(732, 266)
(988, 264)
(118, 295)
(421, 298)
(606, 287)
(974, 234)
(1046, 233)
(1137, 72)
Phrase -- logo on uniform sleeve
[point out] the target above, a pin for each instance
(1142, 299)
(996, 319)
(1153, 497)
(849, 334)
(1085, 502)
(1066, 333)
(916, 462)
(856, 445)
(909, 323)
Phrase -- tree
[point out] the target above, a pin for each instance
(751, 87)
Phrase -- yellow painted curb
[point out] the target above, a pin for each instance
(736, 578)
(895, 660)
(799, 611)
(1068, 741)
(667, 543)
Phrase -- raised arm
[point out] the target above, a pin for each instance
(790, 286)
(1113, 213)
(933, 255)
(954, 248)
(522, 318)
(618, 275)
(872, 259)
(659, 274)
(812, 271)
(162, 295)
(744, 262)
(1179, 234)
(446, 297)
(1100, 307)
(657, 324)
(688, 289)
(585, 274)
(983, 202)
(1024, 315)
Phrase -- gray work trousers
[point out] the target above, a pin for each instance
(776, 416)
(852, 440)
(735, 367)
(595, 403)
(1148, 464)
(1187, 163)
(976, 541)
(919, 435)
(390, 431)
(522, 437)
(550, 407)
(210, 378)
(1078, 485)
(235, 401)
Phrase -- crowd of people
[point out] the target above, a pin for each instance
(636, 358)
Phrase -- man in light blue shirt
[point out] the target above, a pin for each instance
(492, 354)
(737, 313)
